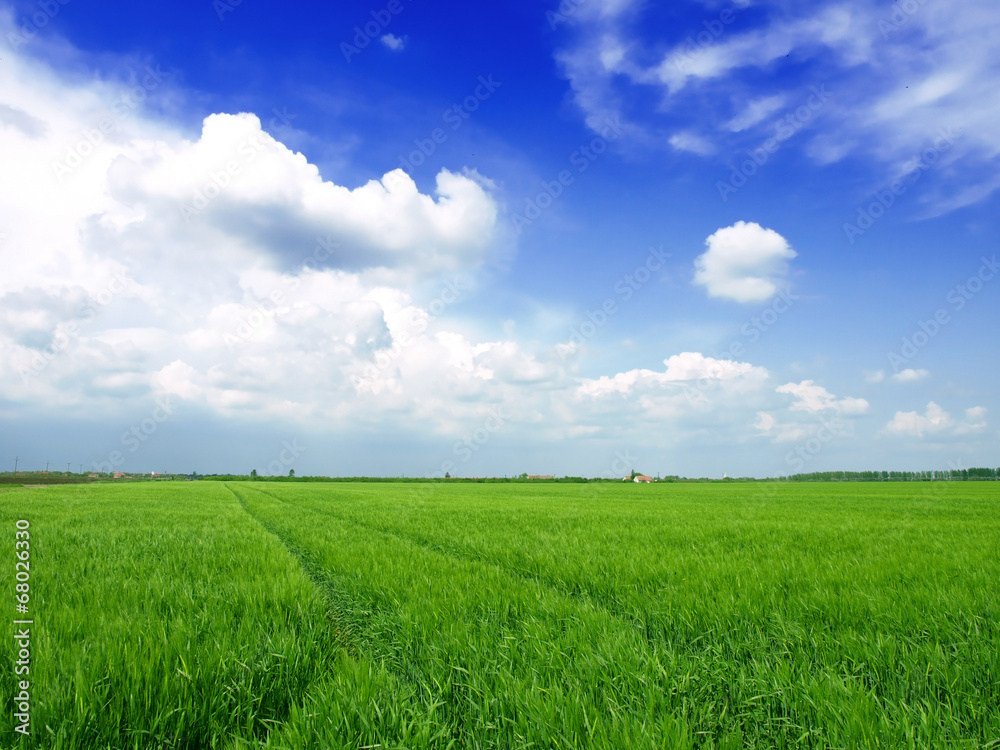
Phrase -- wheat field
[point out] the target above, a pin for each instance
(459, 615)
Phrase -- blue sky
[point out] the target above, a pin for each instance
(752, 238)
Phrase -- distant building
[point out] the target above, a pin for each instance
(541, 476)
(642, 479)
(119, 475)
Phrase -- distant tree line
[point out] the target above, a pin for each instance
(953, 475)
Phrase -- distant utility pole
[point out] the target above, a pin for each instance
(81, 468)
(15, 464)
(46, 467)
(67, 467)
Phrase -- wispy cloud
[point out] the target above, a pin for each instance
(896, 83)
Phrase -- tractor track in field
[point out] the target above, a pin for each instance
(338, 601)
(312, 570)
(655, 636)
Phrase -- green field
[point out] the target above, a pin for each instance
(329, 615)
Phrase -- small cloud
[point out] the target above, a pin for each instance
(815, 398)
(910, 375)
(696, 144)
(393, 42)
(743, 262)
(875, 377)
(934, 419)
(765, 422)
(974, 421)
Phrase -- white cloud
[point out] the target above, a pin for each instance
(934, 419)
(876, 376)
(839, 28)
(815, 398)
(743, 262)
(393, 42)
(239, 182)
(909, 375)
(691, 370)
